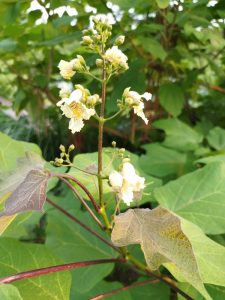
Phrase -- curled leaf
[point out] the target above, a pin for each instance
(162, 240)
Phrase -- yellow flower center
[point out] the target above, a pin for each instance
(77, 109)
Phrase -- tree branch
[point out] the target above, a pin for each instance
(58, 268)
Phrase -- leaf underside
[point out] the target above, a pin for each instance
(162, 240)
(29, 195)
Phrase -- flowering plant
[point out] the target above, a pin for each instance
(162, 235)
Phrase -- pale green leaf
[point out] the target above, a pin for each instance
(216, 292)
(89, 163)
(18, 257)
(210, 255)
(160, 161)
(162, 3)
(152, 46)
(162, 240)
(216, 138)
(9, 292)
(11, 150)
(171, 97)
(179, 135)
(198, 197)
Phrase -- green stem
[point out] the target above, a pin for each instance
(113, 116)
(100, 143)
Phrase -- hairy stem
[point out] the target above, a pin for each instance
(100, 143)
(137, 284)
(62, 210)
(83, 202)
(58, 268)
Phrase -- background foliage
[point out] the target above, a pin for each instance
(176, 52)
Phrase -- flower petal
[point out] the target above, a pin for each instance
(75, 125)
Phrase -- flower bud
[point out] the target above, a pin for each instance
(122, 150)
(71, 147)
(87, 40)
(62, 148)
(99, 63)
(113, 144)
(120, 40)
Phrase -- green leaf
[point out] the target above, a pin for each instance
(152, 46)
(7, 45)
(9, 292)
(162, 3)
(73, 243)
(160, 161)
(162, 240)
(18, 257)
(11, 150)
(198, 197)
(210, 255)
(157, 291)
(171, 97)
(216, 138)
(216, 292)
(179, 135)
(89, 163)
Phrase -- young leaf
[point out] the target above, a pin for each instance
(162, 240)
(171, 97)
(29, 195)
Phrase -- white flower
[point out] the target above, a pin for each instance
(66, 68)
(75, 110)
(69, 68)
(126, 183)
(116, 57)
(135, 100)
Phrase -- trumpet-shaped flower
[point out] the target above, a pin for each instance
(135, 100)
(116, 57)
(73, 108)
(126, 183)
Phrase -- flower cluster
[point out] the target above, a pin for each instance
(126, 183)
(77, 106)
(133, 100)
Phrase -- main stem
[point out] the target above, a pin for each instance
(100, 143)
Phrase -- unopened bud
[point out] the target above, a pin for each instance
(71, 147)
(113, 144)
(99, 63)
(62, 148)
(120, 40)
(122, 150)
(87, 40)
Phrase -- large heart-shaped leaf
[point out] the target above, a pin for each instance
(18, 257)
(198, 197)
(162, 240)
